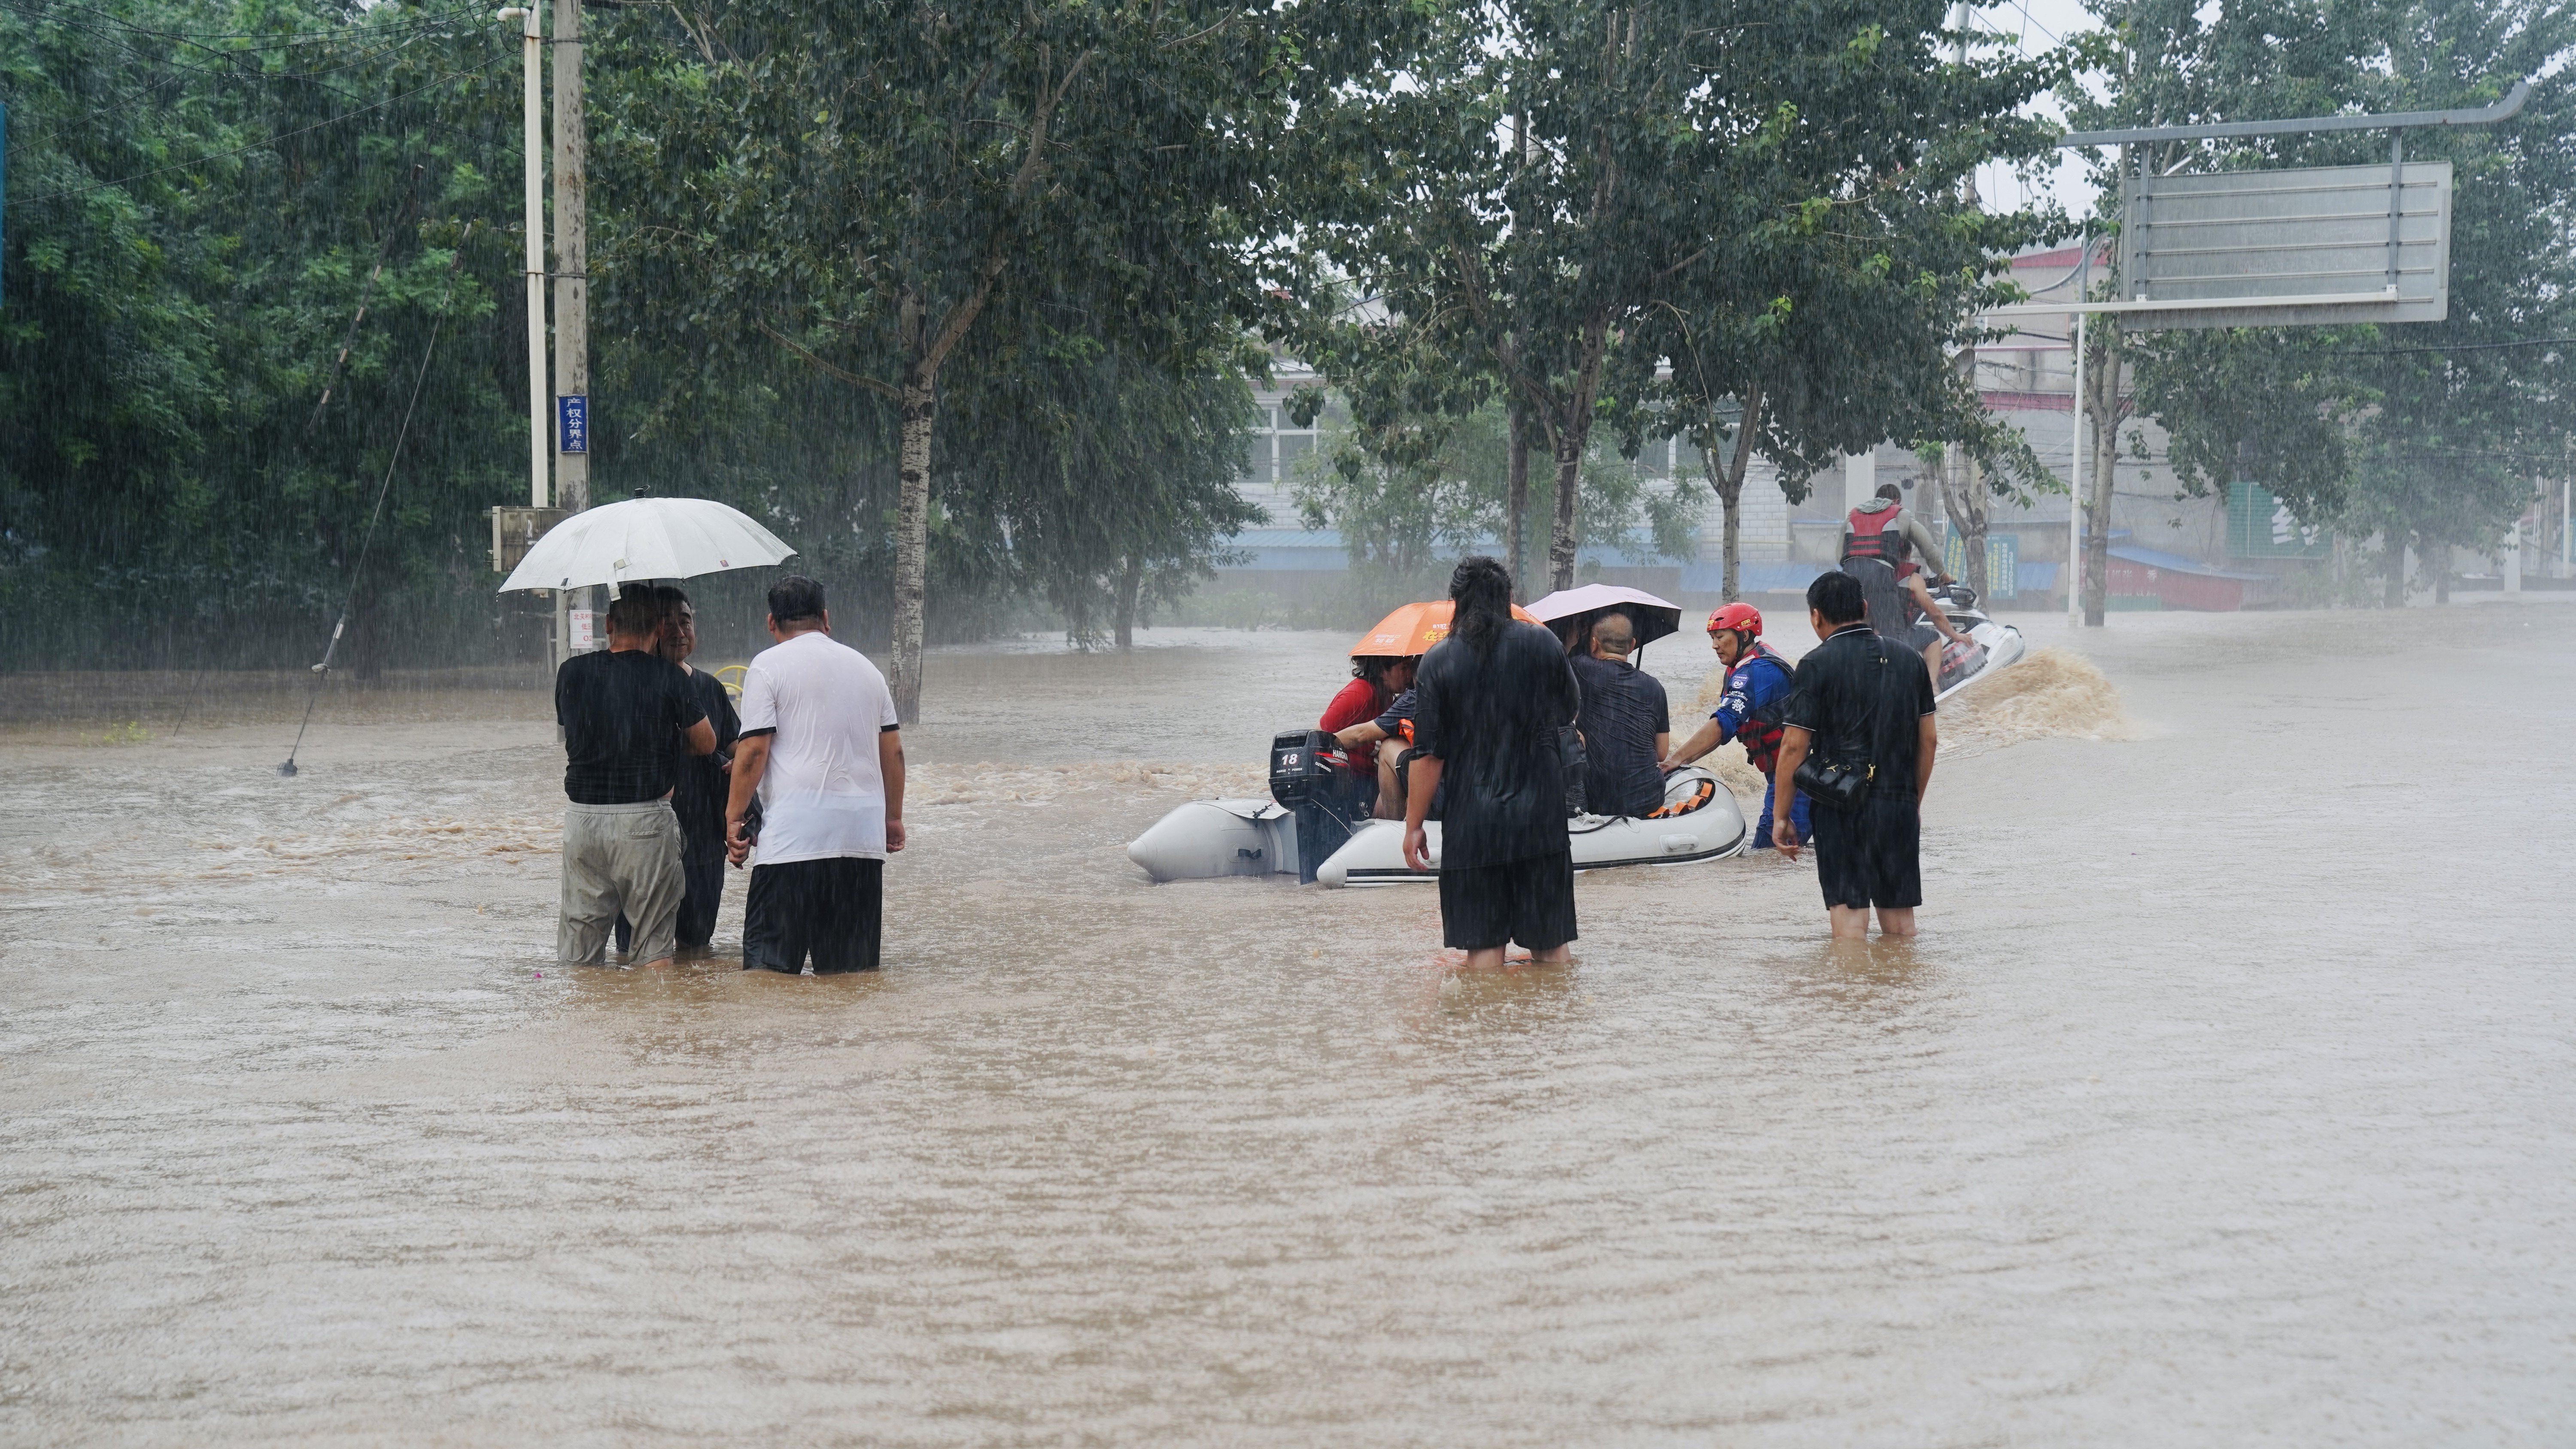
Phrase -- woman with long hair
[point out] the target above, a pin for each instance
(1488, 703)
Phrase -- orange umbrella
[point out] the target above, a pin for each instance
(1414, 628)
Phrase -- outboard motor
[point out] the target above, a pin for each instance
(1303, 764)
(1311, 775)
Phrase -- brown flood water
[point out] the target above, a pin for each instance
(2225, 1095)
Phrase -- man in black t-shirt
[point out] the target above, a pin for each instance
(1862, 702)
(1627, 723)
(699, 797)
(1488, 703)
(621, 713)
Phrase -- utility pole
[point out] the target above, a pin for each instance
(2075, 463)
(572, 279)
(572, 287)
(532, 169)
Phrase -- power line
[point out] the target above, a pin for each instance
(2454, 347)
(265, 40)
(152, 92)
(377, 514)
(255, 145)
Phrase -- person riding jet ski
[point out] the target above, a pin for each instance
(1758, 683)
(1877, 537)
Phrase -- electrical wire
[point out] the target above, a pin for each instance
(376, 515)
(264, 40)
(264, 141)
(151, 94)
(2454, 347)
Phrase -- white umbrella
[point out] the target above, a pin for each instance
(646, 538)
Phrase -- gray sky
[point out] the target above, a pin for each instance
(2036, 26)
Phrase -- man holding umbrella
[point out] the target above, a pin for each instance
(1626, 722)
(621, 712)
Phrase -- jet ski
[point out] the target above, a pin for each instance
(1993, 648)
(1699, 821)
(1205, 839)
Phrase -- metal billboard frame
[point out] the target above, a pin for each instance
(2282, 248)
(2292, 311)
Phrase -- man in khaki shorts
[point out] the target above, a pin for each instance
(626, 716)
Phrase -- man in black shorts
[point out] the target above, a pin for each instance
(1488, 703)
(1863, 702)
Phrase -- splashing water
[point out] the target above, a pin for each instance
(2052, 694)
(2049, 694)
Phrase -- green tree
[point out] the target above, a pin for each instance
(1573, 179)
(1832, 331)
(208, 204)
(2423, 432)
(1404, 511)
(874, 187)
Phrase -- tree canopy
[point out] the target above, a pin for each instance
(2424, 433)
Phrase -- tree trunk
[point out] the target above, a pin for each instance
(1971, 523)
(2437, 562)
(1516, 504)
(1131, 585)
(1730, 550)
(1561, 540)
(2395, 544)
(912, 542)
(1963, 498)
(1729, 485)
(1571, 436)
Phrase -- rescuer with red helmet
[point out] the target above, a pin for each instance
(1758, 681)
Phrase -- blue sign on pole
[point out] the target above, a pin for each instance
(572, 424)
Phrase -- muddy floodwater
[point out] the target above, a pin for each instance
(2226, 1095)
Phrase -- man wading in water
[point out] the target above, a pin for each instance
(1866, 704)
(621, 713)
(699, 799)
(819, 747)
(1488, 703)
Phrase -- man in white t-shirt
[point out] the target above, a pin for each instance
(820, 748)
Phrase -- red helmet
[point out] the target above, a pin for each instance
(1742, 618)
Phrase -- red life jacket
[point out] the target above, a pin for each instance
(1761, 730)
(1888, 545)
(1871, 538)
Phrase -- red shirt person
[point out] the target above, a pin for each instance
(1375, 682)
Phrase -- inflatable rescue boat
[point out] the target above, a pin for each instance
(1207, 838)
(1699, 821)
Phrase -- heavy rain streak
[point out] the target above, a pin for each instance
(767, 723)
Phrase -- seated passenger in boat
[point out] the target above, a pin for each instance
(1390, 739)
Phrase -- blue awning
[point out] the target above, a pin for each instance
(2174, 563)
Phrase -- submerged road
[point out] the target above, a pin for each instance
(2224, 1097)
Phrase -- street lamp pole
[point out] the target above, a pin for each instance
(2075, 494)
(532, 171)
